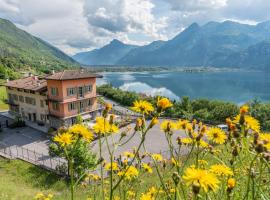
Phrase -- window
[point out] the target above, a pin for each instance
(54, 91)
(41, 103)
(70, 91)
(80, 92)
(15, 97)
(71, 106)
(55, 105)
(30, 100)
(89, 102)
(32, 92)
(21, 99)
(88, 88)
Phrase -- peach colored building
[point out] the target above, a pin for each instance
(55, 100)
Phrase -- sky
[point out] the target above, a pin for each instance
(80, 25)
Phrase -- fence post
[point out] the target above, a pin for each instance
(35, 156)
(43, 159)
(27, 155)
(17, 151)
(51, 163)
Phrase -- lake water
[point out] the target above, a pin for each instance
(238, 87)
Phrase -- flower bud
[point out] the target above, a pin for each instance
(176, 178)
(196, 188)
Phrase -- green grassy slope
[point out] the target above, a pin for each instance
(22, 52)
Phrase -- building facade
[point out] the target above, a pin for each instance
(56, 100)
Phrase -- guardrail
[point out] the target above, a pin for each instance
(45, 161)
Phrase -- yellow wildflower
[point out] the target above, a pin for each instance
(217, 135)
(204, 178)
(147, 168)
(131, 193)
(186, 140)
(64, 139)
(81, 131)
(164, 103)
(102, 126)
(142, 107)
(153, 122)
(182, 124)
(157, 157)
(108, 106)
(231, 183)
(167, 126)
(175, 162)
(131, 173)
(146, 197)
(244, 109)
(250, 122)
(128, 154)
(221, 170)
(203, 162)
(203, 144)
(39, 195)
(113, 166)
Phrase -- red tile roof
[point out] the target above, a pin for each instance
(73, 74)
(29, 83)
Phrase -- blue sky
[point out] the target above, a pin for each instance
(80, 25)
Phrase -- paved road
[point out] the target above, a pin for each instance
(155, 142)
(122, 109)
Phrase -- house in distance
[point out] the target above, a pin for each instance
(55, 100)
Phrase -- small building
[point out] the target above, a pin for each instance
(55, 100)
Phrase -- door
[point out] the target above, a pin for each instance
(34, 117)
(29, 117)
(80, 94)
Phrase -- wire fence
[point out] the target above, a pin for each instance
(54, 164)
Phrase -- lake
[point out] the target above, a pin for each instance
(238, 87)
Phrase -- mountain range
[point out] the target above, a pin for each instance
(23, 52)
(225, 44)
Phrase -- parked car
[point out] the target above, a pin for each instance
(223, 127)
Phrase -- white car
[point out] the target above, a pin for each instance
(223, 127)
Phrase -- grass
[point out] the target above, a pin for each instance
(21, 181)
(3, 96)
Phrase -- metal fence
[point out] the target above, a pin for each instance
(55, 164)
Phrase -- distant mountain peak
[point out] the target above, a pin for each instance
(115, 41)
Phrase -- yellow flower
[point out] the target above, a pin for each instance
(203, 162)
(231, 183)
(217, 135)
(244, 109)
(172, 190)
(250, 122)
(157, 157)
(113, 167)
(205, 179)
(147, 168)
(142, 107)
(186, 140)
(182, 124)
(102, 126)
(152, 191)
(146, 197)
(94, 177)
(153, 122)
(167, 126)
(164, 103)
(50, 195)
(131, 193)
(128, 154)
(39, 195)
(64, 139)
(81, 131)
(221, 170)
(175, 162)
(131, 173)
(203, 144)
(108, 106)
(265, 138)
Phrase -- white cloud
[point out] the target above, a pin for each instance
(78, 25)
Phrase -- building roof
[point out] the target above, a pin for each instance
(73, 74)
(29, 83)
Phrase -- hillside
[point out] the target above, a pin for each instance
(213, 44)
(107, 55)
(22, 52)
